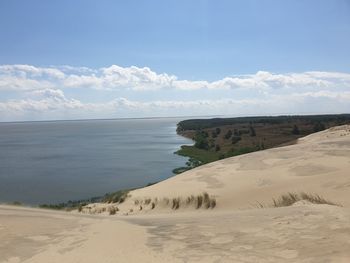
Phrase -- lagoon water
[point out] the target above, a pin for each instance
(51, 162)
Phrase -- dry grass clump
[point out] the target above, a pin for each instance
(113, 210)
(175, 203)
(212, 203)
(200, 201)
(147, 201)
(117, 197)
(291, 198)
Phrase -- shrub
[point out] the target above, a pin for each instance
(228, 134)
(201, 141)
(236, 139)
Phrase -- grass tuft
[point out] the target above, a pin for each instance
(176, 203)
(117, 197)
(113, 210)
(291, 198)
(199, 201)
(148, 201)
(203, 200)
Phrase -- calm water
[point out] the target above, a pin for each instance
(49, 162)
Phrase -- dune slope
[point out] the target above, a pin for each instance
(317, 164)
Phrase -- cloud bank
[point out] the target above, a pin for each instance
(63, 92)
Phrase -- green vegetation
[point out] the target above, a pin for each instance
(240, 151)
(236, 139)
(71, 205)
(198, 124)
(16, 203)
(220, 138)
(201, 140)
(117, 197)
(228, 134)
(181, 169)
(201, 155)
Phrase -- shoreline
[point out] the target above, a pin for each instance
(195, 158)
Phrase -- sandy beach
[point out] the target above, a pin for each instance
(234, 230)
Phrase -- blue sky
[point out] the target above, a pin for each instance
(198, 55)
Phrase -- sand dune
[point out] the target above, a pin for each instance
(235, 230)
(318, 163)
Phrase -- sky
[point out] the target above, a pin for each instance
(87, 59)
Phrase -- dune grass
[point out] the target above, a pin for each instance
(291, 198)
(199, 201)
(202, 200)
(113, 210)
(117, 197)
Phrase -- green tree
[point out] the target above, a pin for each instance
(201, 140)
(228, 134)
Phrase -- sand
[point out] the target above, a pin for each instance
(234, 231)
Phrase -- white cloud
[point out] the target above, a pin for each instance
(38, 92)
(26, 77)
(31, 71)
(49, 102)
